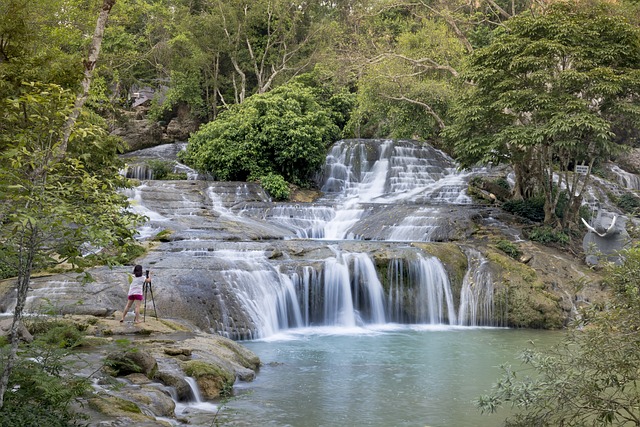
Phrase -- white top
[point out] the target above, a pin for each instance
(136, 286)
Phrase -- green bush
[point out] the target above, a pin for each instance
(509, 248)
(547, 234)
(285, 131)
(43, 382)
(628, 203)
(531, 209)
(160, 168)
(591, 377)
(276, 186)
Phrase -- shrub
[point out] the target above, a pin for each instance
(285, 131)
(160, 169)
(43, 382)
(628, 203)
(547, 234)
(276, 186)
(591, 377)
(509, 248)
(531, 209)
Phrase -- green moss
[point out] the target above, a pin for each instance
(197, 369)
(450, 254)
(111, 405)
(509, 248)
(163, 236)
(523, 296)
(173, 325)
(515, 270)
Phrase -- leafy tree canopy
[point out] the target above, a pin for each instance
(285, 132)
(548, 92)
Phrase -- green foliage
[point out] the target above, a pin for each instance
(160, 168)
(591, 378)
(628, 203)
(285, 131)
(509, 248)
(531, 209)
(546, 235)
(57, 204)
(43, 384)
(402, 94)
(276, 186)
(184, 88)
(548, 91)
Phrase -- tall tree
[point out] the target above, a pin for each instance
(549, 91)
(51, 203)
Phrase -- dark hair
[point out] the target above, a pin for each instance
(137, 271)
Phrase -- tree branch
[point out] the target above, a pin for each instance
(427, 107)
(89, 66)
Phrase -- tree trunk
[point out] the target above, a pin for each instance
(89, 66)
(24, 277)
(28, 252)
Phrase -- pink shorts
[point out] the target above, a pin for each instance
(135, 297)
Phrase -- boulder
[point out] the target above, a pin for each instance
(213, 380)
(131, 362)
(5, 330)
(179, 384)
(151, 399)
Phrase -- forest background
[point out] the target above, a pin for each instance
(270, 84)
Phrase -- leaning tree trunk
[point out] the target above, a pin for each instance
(24, 277)
(28, 249)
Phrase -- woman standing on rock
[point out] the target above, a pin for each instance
(136, 289)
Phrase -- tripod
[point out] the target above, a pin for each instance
(147, 288)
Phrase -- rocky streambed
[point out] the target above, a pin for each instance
(156, 373)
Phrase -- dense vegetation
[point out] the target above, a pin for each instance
(591, 378)
(539, 85)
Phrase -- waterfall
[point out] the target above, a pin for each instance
(348, 293)
(421, 226)
(268, 297)
(384, 190)
(476, 295)
(419, 292)
(433, 300)
(626, 179)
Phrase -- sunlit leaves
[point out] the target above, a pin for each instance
(285, 131)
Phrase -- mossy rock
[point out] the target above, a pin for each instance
(213, 380)
(131, 362)
(113, 406)
(451, 256)
(522, 299)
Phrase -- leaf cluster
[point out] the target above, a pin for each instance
(284, 132)
(591, 378)
(57, 206)
(43, 385)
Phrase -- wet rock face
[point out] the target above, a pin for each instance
(234, 263)
(132, 362)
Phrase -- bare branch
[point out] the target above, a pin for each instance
(427, 107)
(425, 63)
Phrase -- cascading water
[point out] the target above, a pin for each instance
(388, 191)
(626, 179)
(476, 295)
(267, 296)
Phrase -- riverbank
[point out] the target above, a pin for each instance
(161, 372)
